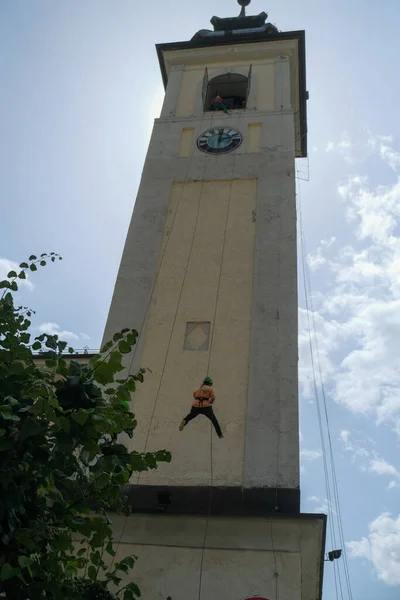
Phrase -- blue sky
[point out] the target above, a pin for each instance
(80, 89)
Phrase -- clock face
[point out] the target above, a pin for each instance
(219, 140)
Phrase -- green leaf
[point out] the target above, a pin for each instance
(42, 263)
(107, 346)
(10, 401)
(51, 341)
(81, 552)
(12, 274)
(8, 416)
(130, 561)
(24, 265)
(64, 424)
(95, 557)
(132, 588)
(30, 428)
(22, 275)
(124, 347)
(36, 346)
(17, 367)
(163, 456)
(123, 394)
(5, 444)
(103, 373)
(109, 549)
(131, 384)
(103, 480)
(32, 257)
(33, 267)
(2, 432)
(117, 337)
(5, 285)
(80, 417)
(92, 573)
(14, 286)
(7, 571)
(131, 338)
(24, 561)
(25, 338)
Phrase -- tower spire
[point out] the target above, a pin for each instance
(241, 25)
(243, 4)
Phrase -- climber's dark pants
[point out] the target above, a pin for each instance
(208, 412)
(219, 106)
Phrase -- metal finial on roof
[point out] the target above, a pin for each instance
(243, 4)
(238, 26)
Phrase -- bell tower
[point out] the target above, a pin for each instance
(208, 277)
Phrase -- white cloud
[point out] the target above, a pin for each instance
(322, 505)
(307, 456)
(7, 265)
(310, 454)
(316, 258)
(381, 467)
(358, 319)
(381, 548)
(367, 459)
(344, 146)
(354, 448)
(84, 336)
(382, 144)
(392, 485)
(330, 337)
(54, 329)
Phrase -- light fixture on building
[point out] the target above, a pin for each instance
(333, 555)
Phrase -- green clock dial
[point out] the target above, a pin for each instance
(219, 140)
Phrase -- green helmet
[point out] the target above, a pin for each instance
(208, 381)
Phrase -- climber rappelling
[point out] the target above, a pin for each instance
(217, 103)
(204, 398)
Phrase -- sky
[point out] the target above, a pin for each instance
(80, 89)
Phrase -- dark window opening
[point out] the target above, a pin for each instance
(232, 88)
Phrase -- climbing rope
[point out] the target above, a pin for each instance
(208, 369)
(161, 262)
(333, 506)
(180, 296)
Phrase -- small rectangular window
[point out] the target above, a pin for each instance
(186, 145)
(197, 335)
(254, 137)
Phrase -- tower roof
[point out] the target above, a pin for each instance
(237, 26)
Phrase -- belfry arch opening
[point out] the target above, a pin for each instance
(233, 89)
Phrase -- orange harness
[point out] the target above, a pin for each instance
(203, 396)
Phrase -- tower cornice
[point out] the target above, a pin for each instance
(249, 46)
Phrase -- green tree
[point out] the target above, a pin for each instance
(61, 464)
